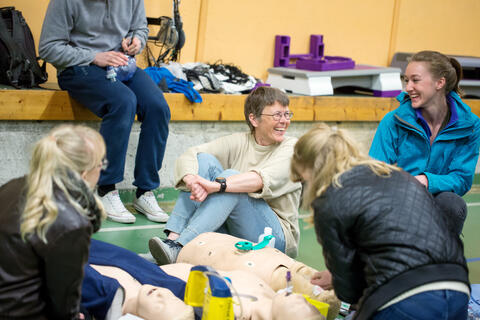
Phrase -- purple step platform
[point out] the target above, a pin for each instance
(314, 60)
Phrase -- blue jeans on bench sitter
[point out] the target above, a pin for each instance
(117, 103)
(234, 213)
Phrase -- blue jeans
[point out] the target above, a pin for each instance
(429, 305)
(117, 103)
(233, 213)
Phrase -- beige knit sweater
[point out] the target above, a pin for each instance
(240, 152)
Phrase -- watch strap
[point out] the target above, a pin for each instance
(223, 184)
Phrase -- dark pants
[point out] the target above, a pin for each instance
(454, 208)
(429, 305)
(117, 103)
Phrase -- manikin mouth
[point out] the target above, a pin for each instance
(151, 291)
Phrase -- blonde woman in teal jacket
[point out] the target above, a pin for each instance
(433, 134)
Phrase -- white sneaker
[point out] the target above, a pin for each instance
(148, 205)
(115, 209)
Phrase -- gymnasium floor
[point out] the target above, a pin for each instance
(135, 236)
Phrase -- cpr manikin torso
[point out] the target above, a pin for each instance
(218, 250)
(146, 301)
(256, 297)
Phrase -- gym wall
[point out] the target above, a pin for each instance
(369, 31)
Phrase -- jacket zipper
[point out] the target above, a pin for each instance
(425, 138)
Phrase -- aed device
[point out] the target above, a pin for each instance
(207, 289)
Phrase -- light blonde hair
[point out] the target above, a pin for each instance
(327, 153)
(58, 160)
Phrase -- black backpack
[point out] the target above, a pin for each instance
(18, 60)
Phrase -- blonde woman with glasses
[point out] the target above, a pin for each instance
(385, 242)
(46, 220)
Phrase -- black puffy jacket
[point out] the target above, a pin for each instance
(42, 280)
(383, 236)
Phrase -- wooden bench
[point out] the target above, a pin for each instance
(57, 105)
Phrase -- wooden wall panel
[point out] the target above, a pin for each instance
(369, 31)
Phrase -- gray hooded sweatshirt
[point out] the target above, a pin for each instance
(75, 30)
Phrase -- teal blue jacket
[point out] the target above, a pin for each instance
(449, 163)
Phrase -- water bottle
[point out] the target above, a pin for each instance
(122, 73)
(267, 232)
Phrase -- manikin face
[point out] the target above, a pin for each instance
(267, 130)
(290, 307)
(420, 85)
(155, 303)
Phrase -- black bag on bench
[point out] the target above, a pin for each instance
(18, 60)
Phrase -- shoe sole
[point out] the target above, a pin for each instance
(121, 220)
(156, 249)
(151, 217)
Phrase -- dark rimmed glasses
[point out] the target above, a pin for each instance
(278, 115)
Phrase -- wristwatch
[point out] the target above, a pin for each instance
(223, 184)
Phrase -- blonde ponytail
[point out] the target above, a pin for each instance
(326, 154)
(57, 162)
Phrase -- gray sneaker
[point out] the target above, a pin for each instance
(148, 256)
(164, 251)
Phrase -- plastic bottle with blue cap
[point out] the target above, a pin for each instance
(123, 73)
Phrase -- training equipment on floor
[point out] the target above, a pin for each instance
(206, 288)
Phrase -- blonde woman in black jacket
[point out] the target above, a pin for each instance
(385, 242)
(46, 220)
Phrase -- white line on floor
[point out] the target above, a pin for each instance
(132, 228)
(473, 204)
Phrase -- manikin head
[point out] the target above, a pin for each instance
(155, 303)
(286, 307)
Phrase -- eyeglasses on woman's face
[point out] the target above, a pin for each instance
(278, 115)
